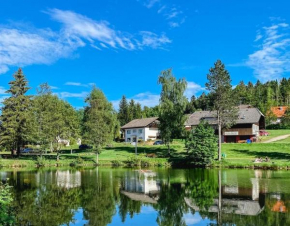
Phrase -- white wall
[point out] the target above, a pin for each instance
(146, 132)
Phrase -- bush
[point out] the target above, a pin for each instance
(116, 163)
(41, 161)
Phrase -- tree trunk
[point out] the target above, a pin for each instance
(97, 158)
(220, 142)
(168, 149)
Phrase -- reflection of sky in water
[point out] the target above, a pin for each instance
(79, 218)
(147, 216)
(195, 219)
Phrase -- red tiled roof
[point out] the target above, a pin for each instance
(279, 111)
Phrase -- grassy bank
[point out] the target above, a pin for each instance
(237, 155)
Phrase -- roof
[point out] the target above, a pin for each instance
(137, 123)
(279, 111)
(246, 116)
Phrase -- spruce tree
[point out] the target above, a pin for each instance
(123, 111)
(219, 86)
(17, 118)
(201, 145)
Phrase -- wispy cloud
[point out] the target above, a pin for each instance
(150, 3)
(72, 95)
(272, 59)
(79, 84)
(100, 32)
(22, 46)
(152, 40)
(36, 46)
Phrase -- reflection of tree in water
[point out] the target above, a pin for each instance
(98, 201)
(202, 188)
(128, 205)
(48, 206)
(171, 205)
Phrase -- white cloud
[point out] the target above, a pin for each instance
(272, 59)
(72, 95)
(152, 40)
(84, 28)
(22, 46)
(191, 219)
(150, 3)
(2, 90)
(161, 9)
(174, 24)
(193, 89)
(78, 84)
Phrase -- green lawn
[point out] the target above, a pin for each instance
(236, 154)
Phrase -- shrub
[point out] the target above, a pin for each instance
(116, 163)
(41, 161)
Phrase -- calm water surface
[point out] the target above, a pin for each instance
(105, 196)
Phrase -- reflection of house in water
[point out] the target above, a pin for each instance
(237, 200)
(141, 186)
(68, 179)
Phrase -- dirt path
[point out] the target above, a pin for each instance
(277, 138)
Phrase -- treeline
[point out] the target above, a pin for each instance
(132, 110)
(48, 121)
(260, 95)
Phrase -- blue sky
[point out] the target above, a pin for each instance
(122, 45)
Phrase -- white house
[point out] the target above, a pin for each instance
(141, 129)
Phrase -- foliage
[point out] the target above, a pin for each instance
(172, 107)
(6, 214)
(55, 118)
(219, 86)
(201, 144)
(17, 120)
(41, 161)
(99, 120)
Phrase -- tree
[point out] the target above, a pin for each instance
(17, 117)
(131, 110)
(55, 118)
(219, 86)
(138, 111)
(123, 111)
(100, 120)
(201, 144)
(172, 107)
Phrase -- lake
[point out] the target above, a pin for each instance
(121, 196)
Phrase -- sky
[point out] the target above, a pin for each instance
(121, 46)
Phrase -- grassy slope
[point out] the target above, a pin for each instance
(236, 154)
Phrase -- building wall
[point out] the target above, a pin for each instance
(139, 132)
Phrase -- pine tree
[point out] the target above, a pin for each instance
(131, 110)
(123, 111)
(100, 120)
(172, 107)
(219, 86)
(138, 111)
(17, 117)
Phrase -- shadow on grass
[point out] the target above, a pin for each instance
(263, 154)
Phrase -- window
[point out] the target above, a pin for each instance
(128, 139)
(134, 131)
(140, 130)
(128, 131)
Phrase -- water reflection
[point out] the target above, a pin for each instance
(103, 196)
